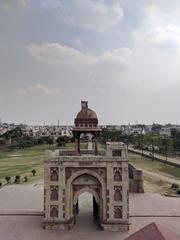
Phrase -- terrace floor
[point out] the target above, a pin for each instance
(144, 209)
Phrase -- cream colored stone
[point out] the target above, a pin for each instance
(86, 173)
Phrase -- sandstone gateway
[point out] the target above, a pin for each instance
(104, 174)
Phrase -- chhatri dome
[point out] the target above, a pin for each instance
(86, 121)
(86, 118)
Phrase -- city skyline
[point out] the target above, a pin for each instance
(121, 56)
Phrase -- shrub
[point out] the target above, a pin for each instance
(62, 140)
(26, 179)
(50, 141)
(8, 179)
(17, 179)
(61, 144)
(33, 172)
(178, 192)
(174, 186)
(47, 140)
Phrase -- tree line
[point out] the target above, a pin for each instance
(150, 141)
(17, 139)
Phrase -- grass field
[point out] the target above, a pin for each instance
(155, 166)
(22, 161)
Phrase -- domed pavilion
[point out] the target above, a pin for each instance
(85, 122)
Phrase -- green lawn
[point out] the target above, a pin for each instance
(154, 166)
(22, 161)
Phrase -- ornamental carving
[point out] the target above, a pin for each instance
(54, 193)
(54, 174)
(118, 174)
(118, 212)
(70, 171)
(118, 193)
(54, 211)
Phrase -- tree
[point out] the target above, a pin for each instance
(16, 133)
(17, 179)
(148, 141)
(62, 140)
(26, 141)
(50, 141)
(33, 172)
(2, 141)
(175, 186)
(25, 179)
(175, 134)
(156, 127)
(61, 143)
(47, 140)
(166, 145)
(7, 179)
(178, 192)
(112, 135)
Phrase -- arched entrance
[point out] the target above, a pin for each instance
(91, 203)
(86, 181)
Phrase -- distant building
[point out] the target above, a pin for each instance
(165, 131)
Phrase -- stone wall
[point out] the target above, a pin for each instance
(135, 180)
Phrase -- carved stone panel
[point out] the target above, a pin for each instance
(54, 193)
(54, 174)
(118, 174)
(54, 211)
(118, 212)
(118, 193)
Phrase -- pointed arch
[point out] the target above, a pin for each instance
(89, 190)
(69, 197)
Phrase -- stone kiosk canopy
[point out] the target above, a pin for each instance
(86, 122)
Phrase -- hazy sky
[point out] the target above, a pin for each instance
(123, 56)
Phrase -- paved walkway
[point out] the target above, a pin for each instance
(170, 160)
(29, 228)
(15, 198)
(28, 198)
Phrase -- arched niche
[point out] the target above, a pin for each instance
(69, 196)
